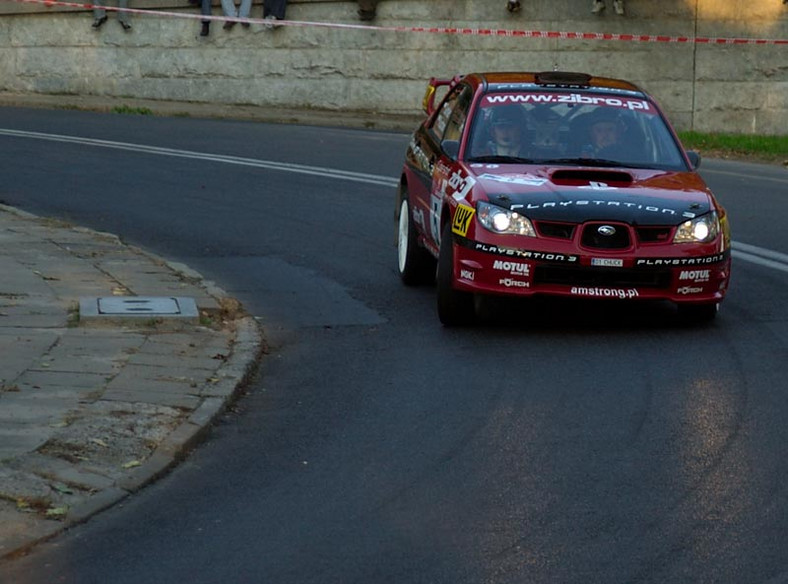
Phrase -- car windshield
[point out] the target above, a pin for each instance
(571, 128)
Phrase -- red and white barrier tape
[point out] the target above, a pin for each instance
(489, 32)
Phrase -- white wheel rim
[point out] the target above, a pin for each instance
(402, 238)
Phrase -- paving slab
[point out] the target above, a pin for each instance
(91, 413)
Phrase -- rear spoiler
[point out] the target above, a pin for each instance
(428, 103)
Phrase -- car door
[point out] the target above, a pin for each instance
(436, 147)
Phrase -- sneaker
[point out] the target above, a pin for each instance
(126, 26)
(270, 24)
(513, 5)
(98, 22)
(228, 25)
(597, 6)
(619, 7)
(206, 29)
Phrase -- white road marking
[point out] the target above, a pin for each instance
(760, 256)
(750, 253)
(268, 164)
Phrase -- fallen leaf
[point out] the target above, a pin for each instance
(100, 442)
(132, 464)
(57, 512)
(62, 489)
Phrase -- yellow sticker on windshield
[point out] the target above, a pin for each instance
(462, 219)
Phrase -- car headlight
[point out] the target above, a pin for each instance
(699, 230)
(500, 220)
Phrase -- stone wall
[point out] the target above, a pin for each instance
(730, 88)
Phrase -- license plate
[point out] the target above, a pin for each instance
(607, 262)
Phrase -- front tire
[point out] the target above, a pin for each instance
(416, 265)
(455, 308)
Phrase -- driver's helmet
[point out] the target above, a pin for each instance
(508, 115)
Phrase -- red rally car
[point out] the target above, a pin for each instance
(561, 184)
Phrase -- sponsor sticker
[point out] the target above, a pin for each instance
(695, 275)
(607, 262)
(570, 98)
(512, 283)
(435, 218)
(699, 261)
(595, 292)
(462, 219)
(524, 253)
(516, 179)
(418, 217)
(689, 290)
(599, 203)
(460, 185)
(513, 268)
(467, 275)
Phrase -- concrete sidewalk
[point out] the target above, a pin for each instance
(93, 409)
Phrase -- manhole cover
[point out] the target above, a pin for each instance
(159, 306)
(117, 308)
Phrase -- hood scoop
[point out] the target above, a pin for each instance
(586, 176)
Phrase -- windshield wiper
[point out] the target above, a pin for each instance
(502, 159)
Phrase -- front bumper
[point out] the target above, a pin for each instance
(658, 274)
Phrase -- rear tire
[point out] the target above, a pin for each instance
(698, 313)
(455, 308)
(416, 264)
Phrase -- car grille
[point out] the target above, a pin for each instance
(592, 237)
(556, 230)
(589, 276)
(645, 235)
(654, 234)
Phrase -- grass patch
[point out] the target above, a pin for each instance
(752, 147)
(137, 111)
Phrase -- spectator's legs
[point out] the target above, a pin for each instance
(205, 10)
(246, 8)
(275, 8)
(367, 9)
(228, 8)
(99, 14)
(123, 17)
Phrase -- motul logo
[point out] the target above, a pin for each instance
(695, 275)
(512, 267)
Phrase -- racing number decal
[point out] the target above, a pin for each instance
(462, 220)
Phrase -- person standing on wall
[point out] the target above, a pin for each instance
(100, 15)
(274, 10)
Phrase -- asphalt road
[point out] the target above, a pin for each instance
(558, 442)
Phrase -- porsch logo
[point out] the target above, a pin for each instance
(510, 283)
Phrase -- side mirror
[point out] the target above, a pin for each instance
(694, 158)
